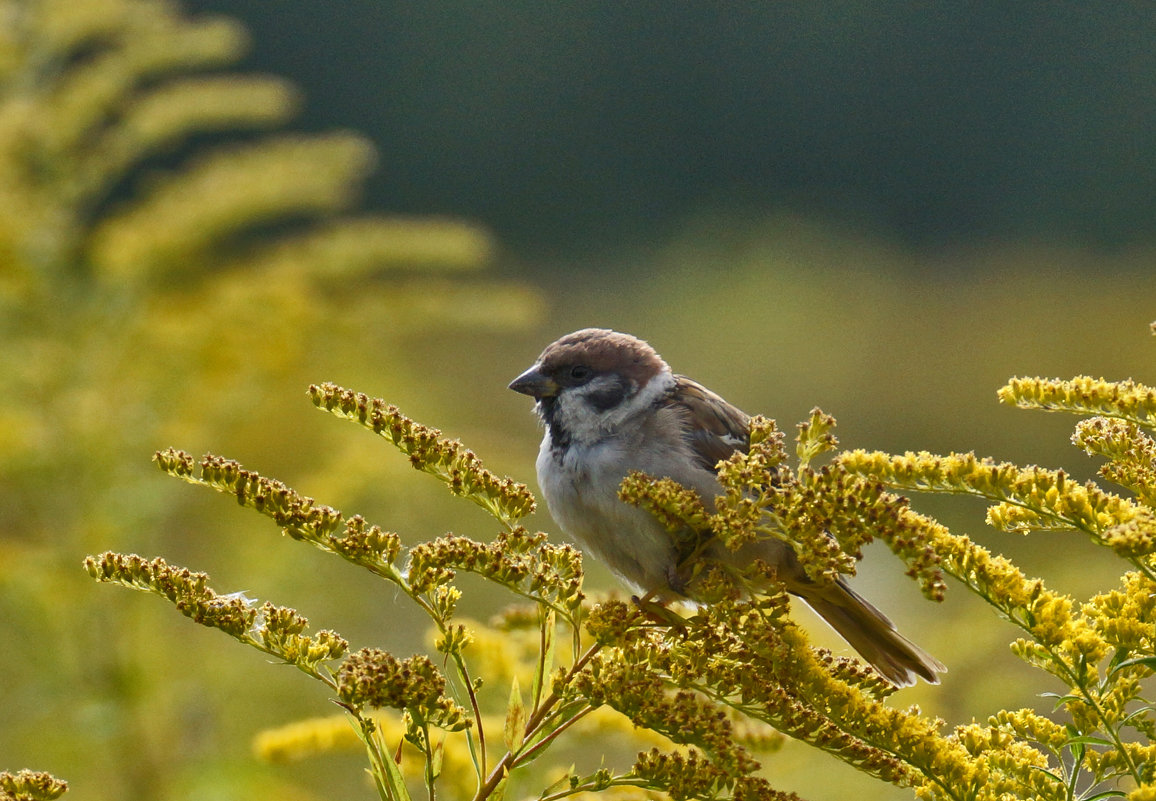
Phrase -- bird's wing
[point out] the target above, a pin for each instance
(714, 428)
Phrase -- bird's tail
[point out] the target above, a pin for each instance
(873, 635)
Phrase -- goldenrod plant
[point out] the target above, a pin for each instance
(1097, 740)
(163, 238)
(718, 685)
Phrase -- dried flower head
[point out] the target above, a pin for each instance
(276, 630)
(375, 678)
(458, 467)
(29, 785)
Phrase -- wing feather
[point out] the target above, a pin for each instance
(714, 428)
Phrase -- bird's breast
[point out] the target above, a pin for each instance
(580, 483)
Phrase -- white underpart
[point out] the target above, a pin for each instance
(581, 482)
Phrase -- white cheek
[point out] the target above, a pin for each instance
(578, 418)
(586, 423)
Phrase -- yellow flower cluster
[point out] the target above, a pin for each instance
(366, 545)
(1024, 498)
(1101, 650)
(356, 246)
(1006, 767)
(280, 631)
(1131, 454)
(1126, 618)
(816, 436)
(299, 516)
(291, 174)
(1083, 395)
(746, 656)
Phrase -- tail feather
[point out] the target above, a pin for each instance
(874, 636)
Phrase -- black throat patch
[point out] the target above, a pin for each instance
(548, 409)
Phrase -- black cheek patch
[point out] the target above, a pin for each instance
(608, 395)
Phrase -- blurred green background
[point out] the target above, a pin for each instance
(883, 210)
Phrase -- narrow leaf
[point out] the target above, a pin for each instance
(1146, 661)
(515, 729)
(382, 767)
(562, 783)
(545, 656)
(1089, 739)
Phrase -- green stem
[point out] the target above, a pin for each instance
(509, 761)
(429, 774)
(625, 780)
(542, 744)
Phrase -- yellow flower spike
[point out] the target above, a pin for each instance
(268, 179)
(1114, 439)
(1029, 725)
(1126, 618)
(448, 460)
(301, 517)
(1083, 395)
(365, 544)
(674, 505)
(1047, 497)
(1134, 536)
(1018, 520)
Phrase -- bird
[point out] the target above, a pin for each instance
(611, 406)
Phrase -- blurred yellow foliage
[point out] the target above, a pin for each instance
(162, 278)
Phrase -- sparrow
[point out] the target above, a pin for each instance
(610, 405)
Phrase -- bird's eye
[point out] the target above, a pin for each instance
(580, 372)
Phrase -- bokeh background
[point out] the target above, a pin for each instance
(885, 210)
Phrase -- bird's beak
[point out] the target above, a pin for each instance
(535, 384)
